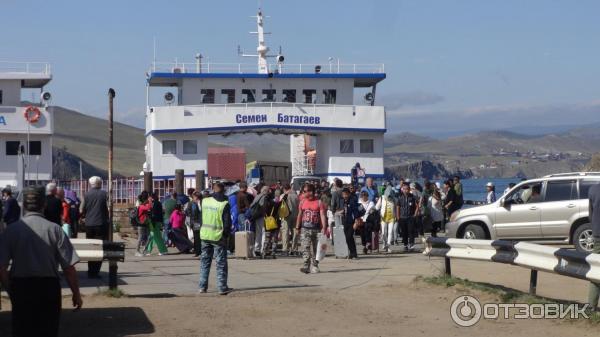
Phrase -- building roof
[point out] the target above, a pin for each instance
(165, 79)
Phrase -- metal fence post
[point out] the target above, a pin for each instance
(447, 269)
(533, 282)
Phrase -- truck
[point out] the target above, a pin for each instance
(268, 172)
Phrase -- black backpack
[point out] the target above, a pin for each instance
(134, 219)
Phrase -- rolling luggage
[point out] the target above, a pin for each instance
(340, 248)
(375, 241)
(244, 244)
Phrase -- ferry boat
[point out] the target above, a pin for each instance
(272, 96)
(25, 129)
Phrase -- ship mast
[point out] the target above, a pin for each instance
(262, 49)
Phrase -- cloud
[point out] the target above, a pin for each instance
(430, 121)
(414, 98)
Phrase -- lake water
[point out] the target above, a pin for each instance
(474, 189)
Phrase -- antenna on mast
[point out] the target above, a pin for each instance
(262, 51)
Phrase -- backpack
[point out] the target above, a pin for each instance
(256, 210)
(270, 221)
(134, 219)
(284, 209)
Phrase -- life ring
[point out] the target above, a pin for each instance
(32, 118)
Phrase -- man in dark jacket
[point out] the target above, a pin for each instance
(406, 210)
(350, 215)
(214, 232)
(53, 208)
(11, 212)
(594, 196)
(94, 211)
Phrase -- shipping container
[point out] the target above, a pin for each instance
(269, 172)
(227, 163)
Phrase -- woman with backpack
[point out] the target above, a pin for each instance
(152, 220)
(271, 223)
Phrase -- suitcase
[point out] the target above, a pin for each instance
(340, 248)
(375, 241)
(244, 244)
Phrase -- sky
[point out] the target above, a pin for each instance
(451, 65)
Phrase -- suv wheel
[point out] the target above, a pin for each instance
(583, 238)
(474, 232)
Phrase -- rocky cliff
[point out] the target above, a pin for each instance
(424, 170)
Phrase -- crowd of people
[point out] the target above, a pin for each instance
(287, 223)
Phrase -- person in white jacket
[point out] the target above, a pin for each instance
(436, 211)
(387, 208)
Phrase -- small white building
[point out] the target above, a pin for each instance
(289, 99)
(25, 146)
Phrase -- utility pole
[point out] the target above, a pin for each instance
(112, 267)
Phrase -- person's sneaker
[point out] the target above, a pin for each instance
(138, 254)
(201, 291)
(365, 250)
(305, 270)
(314, 270)
(162, 254)
(389, 250)
(226, 291)
(411, 247)
(406, 249)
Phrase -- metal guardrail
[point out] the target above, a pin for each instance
(571, 263)
(247, 68)
(90, 250)
(25, 67)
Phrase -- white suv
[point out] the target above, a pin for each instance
(552, 209)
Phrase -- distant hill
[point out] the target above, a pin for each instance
(85, 137)
(79, 137)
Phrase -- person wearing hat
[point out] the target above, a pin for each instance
(491, 193)
(11, 212)
(34, 248)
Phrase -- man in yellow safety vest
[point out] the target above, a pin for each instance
(214, 232)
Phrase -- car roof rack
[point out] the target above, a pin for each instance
(570, 174)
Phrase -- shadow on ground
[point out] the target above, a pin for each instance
(95, 322)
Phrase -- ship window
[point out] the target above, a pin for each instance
(310, 96)
(366, 146)
(248, 95)
(228, 96)
(12, 148)
(329, 96)
(347, 146)
(207, 96)
(35, 148)
(289, 96)
(268, 95)
(190, 147)
(169, 147)
(0, 96)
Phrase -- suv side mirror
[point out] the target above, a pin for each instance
(502, 202)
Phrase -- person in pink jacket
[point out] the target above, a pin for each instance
(179, 234)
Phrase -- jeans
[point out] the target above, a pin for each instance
(367, 235)
(407, 225)
(166, 229)
(594, 290)
(142, 238)
(219, 251)
(259, 225)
